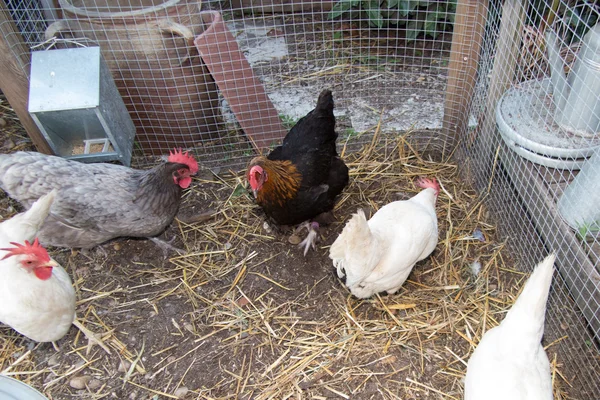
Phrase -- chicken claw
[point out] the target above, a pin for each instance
(166, 246)
(311, 238)
(91, 337)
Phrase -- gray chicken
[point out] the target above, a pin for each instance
(98, 202)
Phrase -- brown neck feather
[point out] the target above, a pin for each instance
(283, 182)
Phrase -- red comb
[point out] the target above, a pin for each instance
(27, 248)
(178, 156)
(425, 183)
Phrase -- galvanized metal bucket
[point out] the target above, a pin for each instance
(579, 205)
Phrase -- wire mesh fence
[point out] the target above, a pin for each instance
(510, 89)
(528, 166)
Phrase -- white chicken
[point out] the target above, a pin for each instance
(37, 298)
(378, 255)
(25, 226)
(510, 362)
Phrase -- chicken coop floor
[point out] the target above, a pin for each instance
(242, 315)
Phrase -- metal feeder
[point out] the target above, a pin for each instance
(75, 104)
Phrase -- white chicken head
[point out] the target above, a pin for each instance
(32, 257)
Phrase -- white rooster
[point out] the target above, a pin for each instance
(378, 255)
(510, 362)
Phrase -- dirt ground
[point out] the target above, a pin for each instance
(243, 315)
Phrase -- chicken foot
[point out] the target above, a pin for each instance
(91, 337)
(311, 238)
(166, 246)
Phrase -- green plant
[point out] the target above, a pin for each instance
(579, 19)
(419, 16)
(589, 228)
(288, 122)
(350, 132)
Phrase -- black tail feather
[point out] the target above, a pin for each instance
(325, 101)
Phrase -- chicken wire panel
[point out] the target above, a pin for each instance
(389, 64)
(537, 161)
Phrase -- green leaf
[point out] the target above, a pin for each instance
(374, 14)
(451, 17)
(392, 4)
(375, 18)
(431, 22)
(404, 7)
(239, 190)
(340, 7)
(413, 28)
(412, 5)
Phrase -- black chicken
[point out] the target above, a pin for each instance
(300, 179)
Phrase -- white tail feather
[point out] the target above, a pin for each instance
(527, 315)
(25, 226)
(351, 251)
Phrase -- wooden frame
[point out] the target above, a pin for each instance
(14, 79)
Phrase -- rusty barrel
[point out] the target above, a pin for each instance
(148, 46)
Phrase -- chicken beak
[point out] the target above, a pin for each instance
(255, 192)
(52, 263)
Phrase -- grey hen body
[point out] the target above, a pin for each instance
(95, 202)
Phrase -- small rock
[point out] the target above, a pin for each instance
(240, 253)
(228, 246)
(171, 359)
(3, 123)
(117, 246)
(79, 382)
(9, 144)
(94, 384)
(180, 392)
(124, 366)
(294, 239)
(53, 361)
(189, 327)
(266, 227)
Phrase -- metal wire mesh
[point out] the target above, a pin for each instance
(388, 65)
(525, 180)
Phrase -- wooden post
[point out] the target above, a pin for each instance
(14, 79)
(469, 25)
